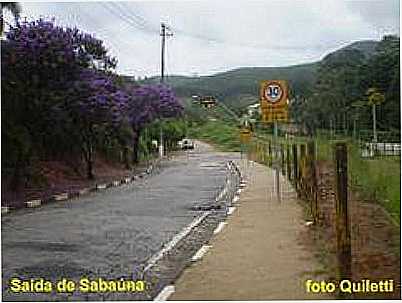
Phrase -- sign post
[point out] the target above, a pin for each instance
(245, 138)
(274, 109)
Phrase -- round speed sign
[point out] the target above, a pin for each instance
(273, 92)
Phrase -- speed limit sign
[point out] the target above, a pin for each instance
(273, 101)
(273, 93)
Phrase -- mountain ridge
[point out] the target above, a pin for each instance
(239, 87)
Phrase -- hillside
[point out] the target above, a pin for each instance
(239, 87)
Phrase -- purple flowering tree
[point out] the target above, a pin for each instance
(95, 105)
(59, 80)
(48, 56)
(47, 69)
(149, 103)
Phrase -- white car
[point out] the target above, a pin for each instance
(186, 144)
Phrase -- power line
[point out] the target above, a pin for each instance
(138, 17)
(122, 15)
(129, 16)
(243, 44)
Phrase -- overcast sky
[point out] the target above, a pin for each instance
(215, 36)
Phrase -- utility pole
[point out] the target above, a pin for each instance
(163, 34)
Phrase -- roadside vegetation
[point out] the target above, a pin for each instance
(224, 136)
(337, 100)
(63, 101)
(376, 180)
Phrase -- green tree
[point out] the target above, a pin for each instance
(382, 71)
(375, 98)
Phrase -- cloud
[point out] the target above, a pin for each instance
(212, 36)
(381, 15)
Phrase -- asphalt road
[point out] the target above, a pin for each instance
(111, 233)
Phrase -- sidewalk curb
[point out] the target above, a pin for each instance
(168, 289)
(81, 192)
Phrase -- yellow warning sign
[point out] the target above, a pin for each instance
(245, 135)
(279, 114)
(274, 101)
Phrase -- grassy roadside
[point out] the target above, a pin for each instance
(376, 179)
(223, 136)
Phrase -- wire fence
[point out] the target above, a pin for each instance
(327, 187)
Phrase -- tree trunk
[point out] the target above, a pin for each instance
(125, 157)
(87, 151)
(16, 179)
(90, 173)
(89, 161)
(374, 124)
(136, 140)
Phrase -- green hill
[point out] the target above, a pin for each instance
(239, 87)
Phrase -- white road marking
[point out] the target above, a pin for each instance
(151, 262)
(61, 197)
(222, 193)
(200, 253)
(231, 210)
(100, 186)
(84, 191)
(33, 203)
(219, 228)
(165, 293)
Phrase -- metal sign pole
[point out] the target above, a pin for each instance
(274, 108)
(277, 161)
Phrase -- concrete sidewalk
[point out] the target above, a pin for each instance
(259, 254)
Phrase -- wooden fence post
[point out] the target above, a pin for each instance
(313, 179)
(295, 165)
(288, 164)
(302, 169)
(342, 217)
(270, 154)
(283, 168)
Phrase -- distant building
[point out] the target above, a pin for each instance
(253, 110)
(205, 101)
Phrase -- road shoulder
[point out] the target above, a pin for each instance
(259, 254)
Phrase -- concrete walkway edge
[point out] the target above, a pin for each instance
(259, 254)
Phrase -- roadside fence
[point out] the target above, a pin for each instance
(297, 161)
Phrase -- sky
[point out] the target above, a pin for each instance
(216, 36)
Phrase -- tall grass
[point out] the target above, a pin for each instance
(224, 136)
(377, 179)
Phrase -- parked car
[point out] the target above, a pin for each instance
(186, 144)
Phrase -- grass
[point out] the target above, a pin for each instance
(224, 136)
(376, 179)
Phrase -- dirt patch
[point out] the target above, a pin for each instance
(375, 239)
